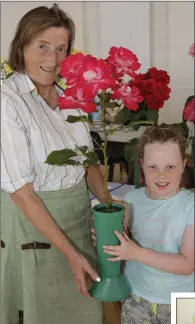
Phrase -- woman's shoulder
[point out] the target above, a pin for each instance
(9, 88)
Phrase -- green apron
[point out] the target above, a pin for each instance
(37, 286)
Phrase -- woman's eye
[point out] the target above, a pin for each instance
(62, 49)
(152, 167)
(41, 46)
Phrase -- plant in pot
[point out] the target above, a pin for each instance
(88, 77)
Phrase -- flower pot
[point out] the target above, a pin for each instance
(113, 286)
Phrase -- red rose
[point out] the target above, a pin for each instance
(189, 111)
(130, 96)
(122, 61)
(79, 96)
(192, 50)
(159, 75)
(154, 102)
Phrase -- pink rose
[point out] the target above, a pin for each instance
(78, 96)
(71, 67)
(130, 96)
(192, 50)
(122, 61)
(189, 111)
(96, 72)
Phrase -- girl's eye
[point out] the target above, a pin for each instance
(171, 167)
(152, 166)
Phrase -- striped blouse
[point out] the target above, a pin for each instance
(30, 130)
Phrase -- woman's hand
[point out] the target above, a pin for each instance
(127, 250)
(81, 269)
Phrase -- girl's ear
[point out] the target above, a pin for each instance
(142, 163)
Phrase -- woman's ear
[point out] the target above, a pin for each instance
(142, 163)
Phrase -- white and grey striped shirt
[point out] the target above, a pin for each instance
(30, 130)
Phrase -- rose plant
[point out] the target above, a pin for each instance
(115, 83)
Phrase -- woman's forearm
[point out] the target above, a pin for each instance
(35, 211)
(95, 183)
(172, 263)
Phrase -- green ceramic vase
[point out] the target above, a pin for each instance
(113, 286)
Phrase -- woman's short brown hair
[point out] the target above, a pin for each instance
(160, 134)
(32, 23)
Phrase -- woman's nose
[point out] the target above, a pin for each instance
(53, 58)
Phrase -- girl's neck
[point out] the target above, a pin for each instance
(156, 196)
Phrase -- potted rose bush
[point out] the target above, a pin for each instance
(110, 81)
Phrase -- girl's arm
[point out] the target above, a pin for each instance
(182, 263)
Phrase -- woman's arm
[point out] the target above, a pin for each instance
(36, 213)
(95, 182)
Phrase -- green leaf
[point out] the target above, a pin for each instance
(123, 116)
(152, 115)
(76, 119)
(130, 150)
(83, 149)
(111, 105)
(59, 157)
(92, 157)
(71, 162)
(106, 96)
(126, 115)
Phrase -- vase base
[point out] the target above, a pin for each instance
(110, 289)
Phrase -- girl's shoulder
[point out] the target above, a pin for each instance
(134, 194)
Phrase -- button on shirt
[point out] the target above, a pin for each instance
(30, 131)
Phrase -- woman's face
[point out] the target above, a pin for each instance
(42, 56)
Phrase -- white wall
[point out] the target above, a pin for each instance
(172, 35)
(160, 33)
(185, 310)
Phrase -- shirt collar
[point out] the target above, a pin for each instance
(25, 84)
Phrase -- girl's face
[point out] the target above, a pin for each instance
(163, 167)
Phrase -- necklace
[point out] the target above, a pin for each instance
(47, 99)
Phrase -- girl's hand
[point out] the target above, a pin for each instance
(127, 250)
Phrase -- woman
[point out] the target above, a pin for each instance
(46, 247)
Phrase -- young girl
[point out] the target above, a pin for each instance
(160, 256)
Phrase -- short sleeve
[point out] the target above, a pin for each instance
(16, 168)
(190, 209)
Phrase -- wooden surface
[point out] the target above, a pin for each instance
(112, 313)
